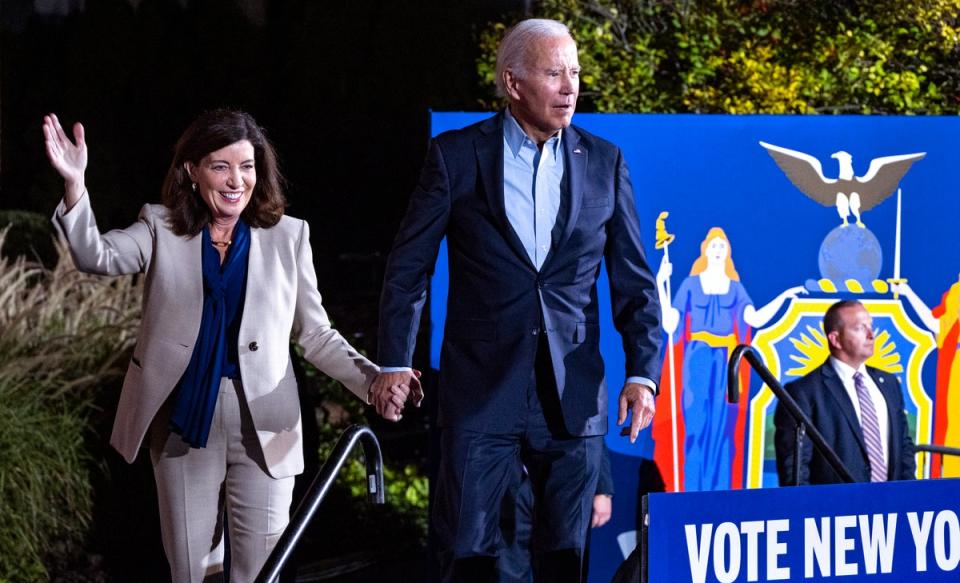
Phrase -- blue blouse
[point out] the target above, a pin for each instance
(215, 352)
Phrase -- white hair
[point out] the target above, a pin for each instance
(519, 41)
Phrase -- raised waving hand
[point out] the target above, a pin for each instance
(69, 158)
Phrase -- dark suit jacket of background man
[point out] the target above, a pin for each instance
(822, 397)
(498, 304)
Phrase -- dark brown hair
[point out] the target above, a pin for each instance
(211, 131)
(831, 319)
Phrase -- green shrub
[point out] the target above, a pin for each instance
(757, 56)
(63, 336)
(28, 234)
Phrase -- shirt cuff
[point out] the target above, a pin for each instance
(645, 382)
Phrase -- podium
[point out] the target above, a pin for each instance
(895, 531)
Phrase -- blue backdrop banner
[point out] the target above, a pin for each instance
(754, 225)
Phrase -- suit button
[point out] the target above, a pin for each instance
(533, 332)
(253, 346)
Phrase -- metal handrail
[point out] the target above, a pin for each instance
(804, 424)
(935, 449)
(318, 491)
(941, 449)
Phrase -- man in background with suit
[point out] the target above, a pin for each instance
(529, 206)
(514, 564)
(858, 409)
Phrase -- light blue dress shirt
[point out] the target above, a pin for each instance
(531, 187)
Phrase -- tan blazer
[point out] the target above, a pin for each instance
(281, 299)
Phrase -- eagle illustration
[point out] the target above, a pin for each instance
(849, 193)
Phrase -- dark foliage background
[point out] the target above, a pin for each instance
(344, 89)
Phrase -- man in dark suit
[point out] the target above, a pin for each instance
(858, 409)
(529, 206)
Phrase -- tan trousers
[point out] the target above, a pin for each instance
(195, 486)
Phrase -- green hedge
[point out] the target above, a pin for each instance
(28, 234)
(62, 337)
(758, 56)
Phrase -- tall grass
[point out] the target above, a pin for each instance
(64, 336)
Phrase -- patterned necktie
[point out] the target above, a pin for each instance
(871, 431)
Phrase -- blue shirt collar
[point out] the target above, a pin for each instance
(514, 136)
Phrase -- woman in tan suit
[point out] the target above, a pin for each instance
(210, 388)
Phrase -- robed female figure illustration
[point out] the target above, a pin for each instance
(709, 315)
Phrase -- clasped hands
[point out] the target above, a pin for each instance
(390, 392)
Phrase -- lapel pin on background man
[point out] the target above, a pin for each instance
(529, 206)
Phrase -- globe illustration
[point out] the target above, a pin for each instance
(849, 252)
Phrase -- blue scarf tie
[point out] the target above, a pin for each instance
(223, 293)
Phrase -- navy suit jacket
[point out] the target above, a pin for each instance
(499, 303)
(822, 397)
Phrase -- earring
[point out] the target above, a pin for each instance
(194, 186)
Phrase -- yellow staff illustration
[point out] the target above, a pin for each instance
(663, 242)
